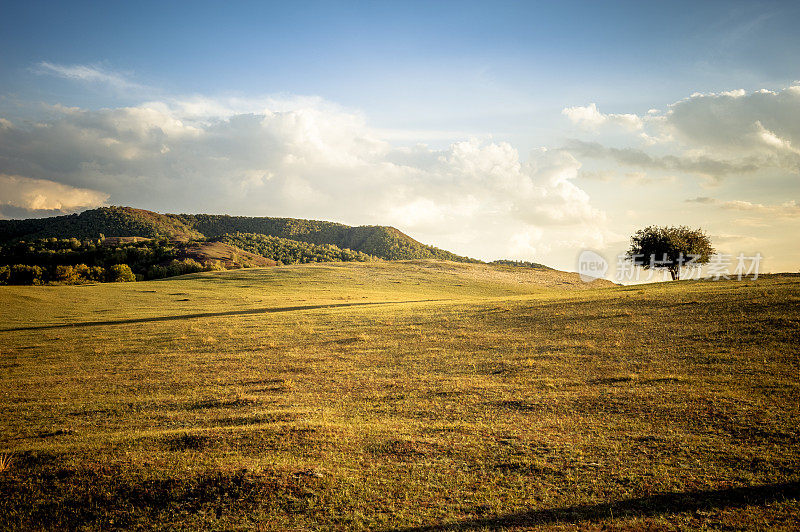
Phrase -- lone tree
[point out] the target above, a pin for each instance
(669, 248)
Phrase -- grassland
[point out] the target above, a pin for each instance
(411, 396)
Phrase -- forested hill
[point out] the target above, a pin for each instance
(379, 241)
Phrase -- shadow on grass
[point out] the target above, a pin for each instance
(42, 495)
(666, 503)
(209, 315)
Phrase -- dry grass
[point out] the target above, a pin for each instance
(6, 460)
(484, 405)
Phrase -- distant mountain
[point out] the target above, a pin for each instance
(378, 241)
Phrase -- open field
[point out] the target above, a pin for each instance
(413, 395)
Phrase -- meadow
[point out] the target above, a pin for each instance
(411, 395)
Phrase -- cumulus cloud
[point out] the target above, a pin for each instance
(728, 123)
(709, 134)
(305, 158)
(590, 117)
(36, 196)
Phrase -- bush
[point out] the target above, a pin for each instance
(182, 267)
(120, 273)
(156, 271)
(24, 274)
(213, 266)
(66, 274)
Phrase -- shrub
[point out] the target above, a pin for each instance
(96, 273)
(182, 267)
(120, 273)
(66, 274)
(213, 266)
(24, 274)
(191, 266)
(156, 271)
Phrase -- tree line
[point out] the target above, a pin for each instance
(286, 251)
(74, 261)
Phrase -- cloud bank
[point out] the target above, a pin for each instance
(304, 158)
(713, 135)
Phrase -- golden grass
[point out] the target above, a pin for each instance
(484, 403)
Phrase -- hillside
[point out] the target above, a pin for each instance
(230, 257)
(404, 395)
(379, 241)
(289, 251)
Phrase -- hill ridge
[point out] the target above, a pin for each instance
(384, 242)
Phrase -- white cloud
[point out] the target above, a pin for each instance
(590, 117)
(709, 134)
(763, 124)
(308, 158)
(43, 195)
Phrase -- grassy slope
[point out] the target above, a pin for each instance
(229, 256)
(500, 398)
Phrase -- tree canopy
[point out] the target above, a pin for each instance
(670, 248)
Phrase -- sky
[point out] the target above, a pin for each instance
(522, 130)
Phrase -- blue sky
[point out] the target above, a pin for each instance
(395, 58)
(363, 83)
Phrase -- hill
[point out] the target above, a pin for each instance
(402, 395)
(379, 241)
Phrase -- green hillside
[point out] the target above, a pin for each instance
(382, 242)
